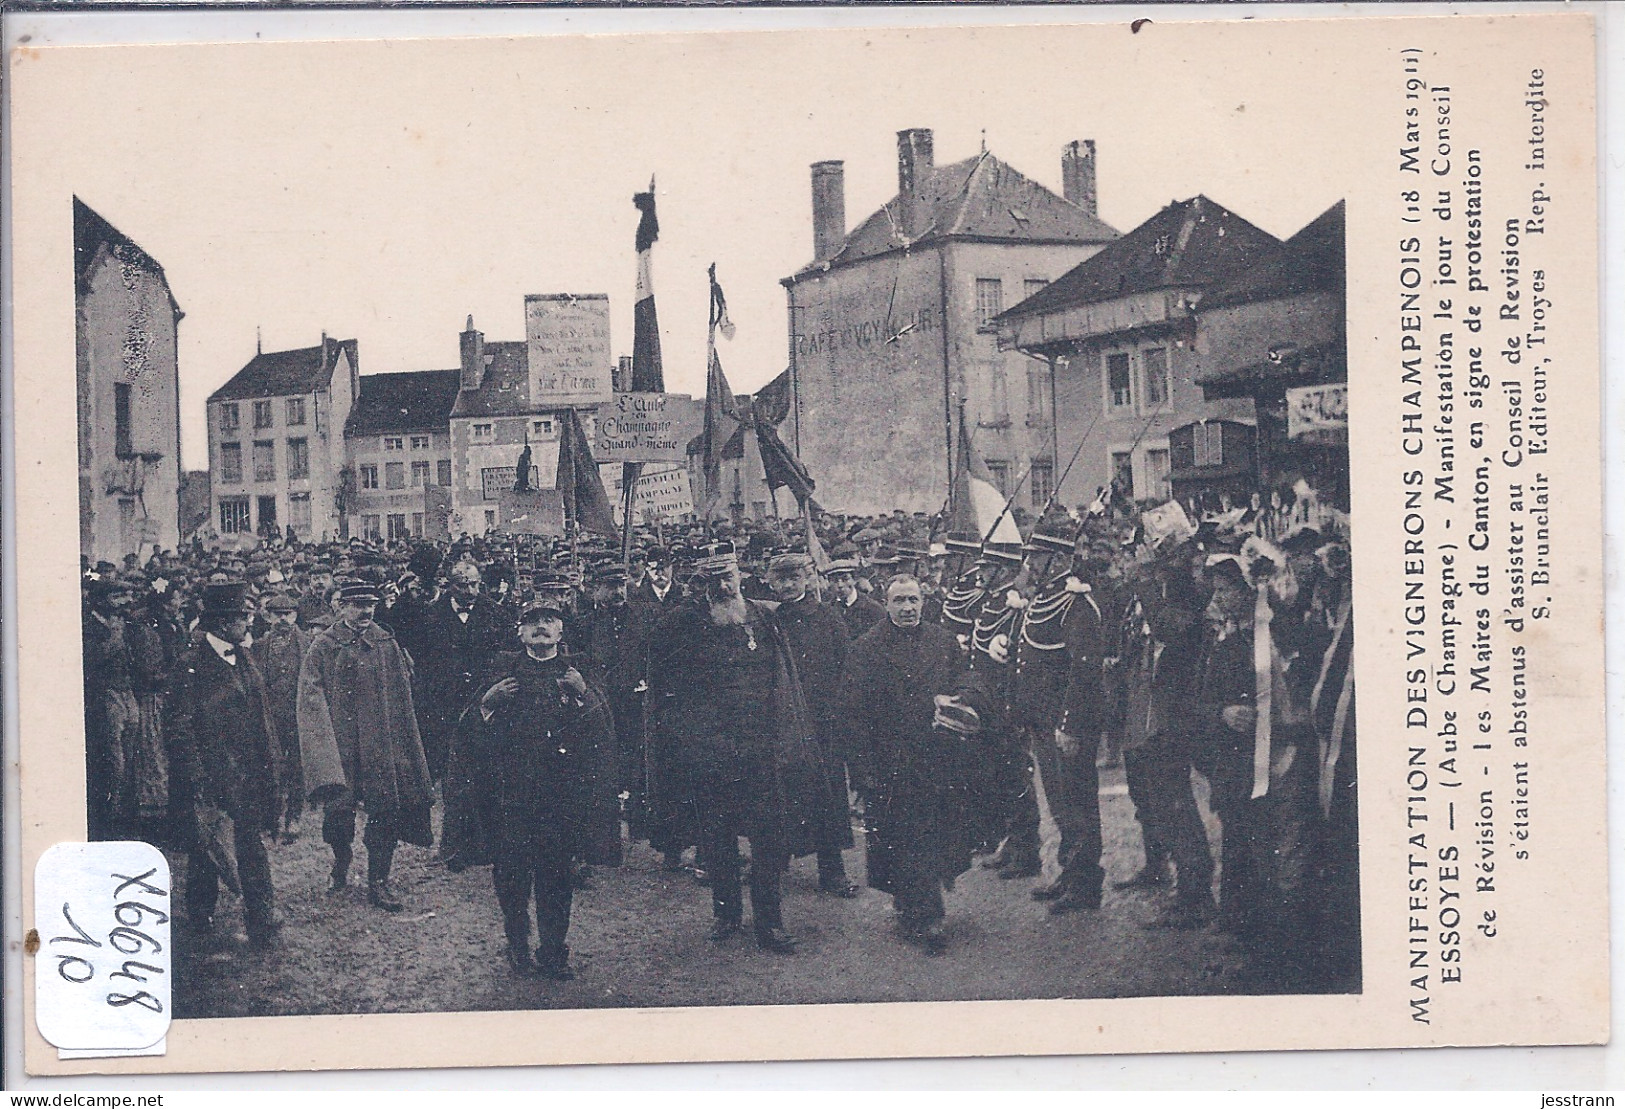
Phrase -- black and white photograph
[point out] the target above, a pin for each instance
(825, 519)
(980, 629)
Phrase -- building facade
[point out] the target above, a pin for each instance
(891, 337)
(128, 388)
(277, 445)
(398, 441)
(1117, 334)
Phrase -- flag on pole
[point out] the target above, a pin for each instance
(722, 415)
(647, 373)
(977, 502)
(781, 468)
(579, 482)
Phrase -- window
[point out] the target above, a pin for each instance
(1156, 473)
(397, 525)
(483, 433)
(299, 512)
(443, 472)
(1154, 366)
(394, 475)
(369, 475)
(369, 526)
(1032, 285)
(544, 428)
(229, 418)
(420, 442)
(490, 517)
(1042, 480)
(233, 515)
(1119, 385)
(420, 474)
(298, 459)
(394, 443)
(417, 525)
(999, 394)
(1123, 474)
(296, 412)
(268, 525)
(231, 464)
(262, 414)
(1207, 445)
(989, 300)
(264, 460)
(999, 471)
(121, 421)
(1038, 394)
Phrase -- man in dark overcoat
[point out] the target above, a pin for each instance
(457, 639)
(358, 737)
(818, 638)
(617, 633)
(279, 652)
(541, 741)
(226, 745)
(915, 715)
(730, 740)
(859, 612)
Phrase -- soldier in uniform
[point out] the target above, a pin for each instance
(617, 634)
(544, 754)
(1055, 702)
(358, 736)
(962, 600)
(279, 652)
(996, 623)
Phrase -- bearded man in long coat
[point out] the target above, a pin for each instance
(917, 719)
(732, 742)
(358, 737)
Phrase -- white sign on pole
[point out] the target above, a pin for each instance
(640, 427)
(567, 344)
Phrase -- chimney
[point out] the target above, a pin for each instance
(622, 382)
(828, 209)
(472, 347)
(914, 162)
(1078, 175)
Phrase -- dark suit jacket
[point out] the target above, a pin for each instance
(224, 737)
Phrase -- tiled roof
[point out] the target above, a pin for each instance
(1310, 261)
(287, 372)
(506, 389)
(91, 232)
(979, 198)
(1191, 242)
(404, 402)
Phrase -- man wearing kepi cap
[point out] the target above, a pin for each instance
(544, 754)
(359, 739)
(731, 737)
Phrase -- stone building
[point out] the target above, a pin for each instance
(1118, 331)
(128, 394)
(398, 442)
(890, 326)
(277, 445)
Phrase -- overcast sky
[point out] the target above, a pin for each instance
(385, 191)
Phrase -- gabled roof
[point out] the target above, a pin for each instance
(91, 232)
(506, 388)
(404, 402)
(1310, 261)
(979, 198)
(287, 372)
(1190, 243)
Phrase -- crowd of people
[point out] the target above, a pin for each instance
(559, 699)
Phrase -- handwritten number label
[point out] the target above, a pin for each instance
(103, 916)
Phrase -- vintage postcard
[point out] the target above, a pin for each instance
(810, 544)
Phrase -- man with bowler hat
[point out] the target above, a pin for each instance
(226, 748)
